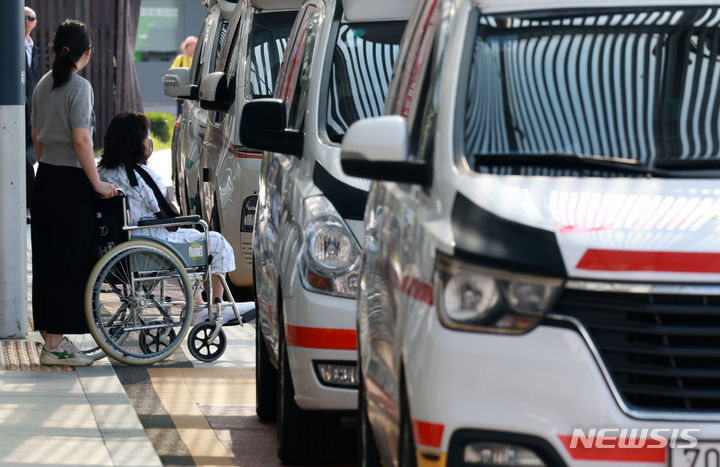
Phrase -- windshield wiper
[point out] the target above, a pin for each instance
(566, 161)
(688, 164)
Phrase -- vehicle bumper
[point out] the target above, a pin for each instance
(320, 328)
(463, 386)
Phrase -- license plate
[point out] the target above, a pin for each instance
(705, 454)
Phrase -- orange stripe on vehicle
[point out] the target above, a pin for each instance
(607, 449)
(428, 434)
(321, 338)
(658, 261)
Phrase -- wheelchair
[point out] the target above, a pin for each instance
(139, 297)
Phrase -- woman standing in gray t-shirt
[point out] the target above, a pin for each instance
(64, 197)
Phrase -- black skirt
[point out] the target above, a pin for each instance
(63, 248)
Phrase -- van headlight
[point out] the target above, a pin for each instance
(476, 298)
(331, 255)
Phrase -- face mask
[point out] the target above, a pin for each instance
(150, 146)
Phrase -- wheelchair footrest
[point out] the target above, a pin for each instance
(232, 322)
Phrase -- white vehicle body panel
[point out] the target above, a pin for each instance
(287, 184)
(191, 129)
(233, 170)
(629, 234)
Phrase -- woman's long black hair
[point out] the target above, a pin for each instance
(72, 39)
(123, 142)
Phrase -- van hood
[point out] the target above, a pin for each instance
(619, 229)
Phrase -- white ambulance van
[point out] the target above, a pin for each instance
(541, 274)
(248, 68)
(184, 83)
(308, 224)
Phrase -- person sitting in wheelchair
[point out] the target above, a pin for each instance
(127, 146)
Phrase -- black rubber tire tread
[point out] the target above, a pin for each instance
(220, 342)
(265, 381)
(303, 436)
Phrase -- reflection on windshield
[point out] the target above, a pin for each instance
(268, 41)
(640, 84)
(362, 65)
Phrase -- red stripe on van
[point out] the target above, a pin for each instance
(658, 261)
(244, 155)
(428, 434)
(418, 290)
(607, 449)
(321, 338)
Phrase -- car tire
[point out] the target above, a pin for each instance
(367, 448)
(406, 448)
(265, 380)
(303, 436)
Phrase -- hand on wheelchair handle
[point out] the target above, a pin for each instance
(106, 190)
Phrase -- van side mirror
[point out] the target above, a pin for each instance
(216, 93)
(262, 126)
(176, 83)
(377, 149)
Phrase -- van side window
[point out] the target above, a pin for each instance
(229, 37)
(300, 71)
(288, 68)
(361, 69)
(221, 40)
(411, 71)
(196, 68)
(266, 46)
(422, 125)
(231, 64)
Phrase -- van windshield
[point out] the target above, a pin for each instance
(631, 87)
(266, 46)
(361, 69)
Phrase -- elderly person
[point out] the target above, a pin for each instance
(187, 49)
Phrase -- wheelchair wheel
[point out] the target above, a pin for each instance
(153, 340)
(138, 302)
(200, 345)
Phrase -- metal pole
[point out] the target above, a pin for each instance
(13, 230)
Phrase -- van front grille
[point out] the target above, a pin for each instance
(662, 350)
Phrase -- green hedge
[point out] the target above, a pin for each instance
(161, 125)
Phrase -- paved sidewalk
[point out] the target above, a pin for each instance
(77, 417)
(61, 416)
(65, 416)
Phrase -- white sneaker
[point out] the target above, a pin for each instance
(65, 354)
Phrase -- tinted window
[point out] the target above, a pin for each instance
(268, 40)
(638, 84)
(361, 69)
(300, 66)
(220, 42)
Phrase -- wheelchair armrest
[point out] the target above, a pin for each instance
(152, 221)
